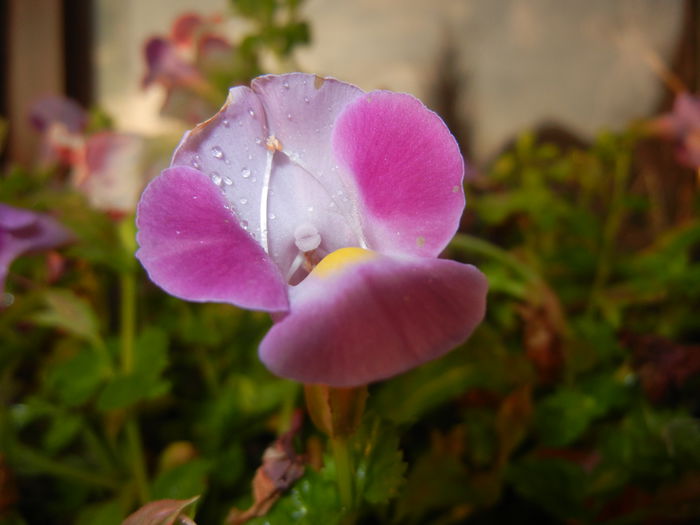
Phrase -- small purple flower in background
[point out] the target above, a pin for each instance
(682, 125)
(23, 231)
(107, 167)
(182, 62)
(326, 206)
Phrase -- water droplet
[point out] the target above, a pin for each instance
(226, 123)
(251, 112)
(306, 99)
(331, 204)
(258, 141)
(217, 153)
(195, 162)
(250, 157)
(310, 209)
(195, 197)
(244, 201)
(177, 232)
(289, 116)
(272, 216)
(244, 225)
(216, 178)
(245, 173)
(228, 181)
(253, 180)
(285, 85)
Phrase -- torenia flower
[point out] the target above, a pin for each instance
(23, 231)
(327, 207)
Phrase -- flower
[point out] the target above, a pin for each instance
(682, 125)
(326, 206)
(108, 167)
(23, 231)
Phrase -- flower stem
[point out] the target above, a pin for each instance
(127, 333)
(344, 470)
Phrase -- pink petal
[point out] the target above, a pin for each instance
(184, 28)
(23, 231)
(192, 246)
(408, 171)
(167, 67)
(373, 319)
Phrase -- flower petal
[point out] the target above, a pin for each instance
(24, 231)
(192, 246)
(373, 318)
(408, 171)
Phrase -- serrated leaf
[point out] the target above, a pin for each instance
(67, 311)
(311, 501)
(381, 468)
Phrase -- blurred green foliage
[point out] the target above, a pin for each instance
(575, 402)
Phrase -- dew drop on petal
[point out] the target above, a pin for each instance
(217, 153)
(289, 116)
(195, 162)
(306, 99)
(272, 216)
(228, 181)
(216, 178)
(245, 173)
(244, 225)
(244, 201)
(258, 141)
(310, 209)
(251, 112)
(226, 123)
(285, 85)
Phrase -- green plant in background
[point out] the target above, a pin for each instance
(575, 401)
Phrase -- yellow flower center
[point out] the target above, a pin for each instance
(339, 259)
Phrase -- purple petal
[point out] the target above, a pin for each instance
(56, 109)
(23, 231)
(270, 186)
(373, 318)
(193, 247)
(167, 67)
(408, 171)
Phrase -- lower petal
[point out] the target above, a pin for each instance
(374, 317)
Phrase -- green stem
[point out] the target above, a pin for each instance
(128, 320)
(127, 338)
(343, 469)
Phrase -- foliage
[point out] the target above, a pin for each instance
(576, 401)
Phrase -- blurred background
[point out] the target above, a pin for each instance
(506, 64)
(576, 401)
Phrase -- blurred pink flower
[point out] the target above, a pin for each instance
(682, 125)
(23, 231)
(327, 207)
(106, 166)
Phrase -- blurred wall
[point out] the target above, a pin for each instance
(515, 62)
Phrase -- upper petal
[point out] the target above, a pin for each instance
(407, 169)
(193, 247)
(375, 317)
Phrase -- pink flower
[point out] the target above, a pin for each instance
(682, 125)
(107, 167)
(327, 207)
(23, 231)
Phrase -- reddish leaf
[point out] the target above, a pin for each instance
(162, 512)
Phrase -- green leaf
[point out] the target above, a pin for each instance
(184, 481)
(64, 427)
(66, 311)
(106, 513)
(145, 382)
(380, 468)
(76, 379)
(555, 484)
(311, 501)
